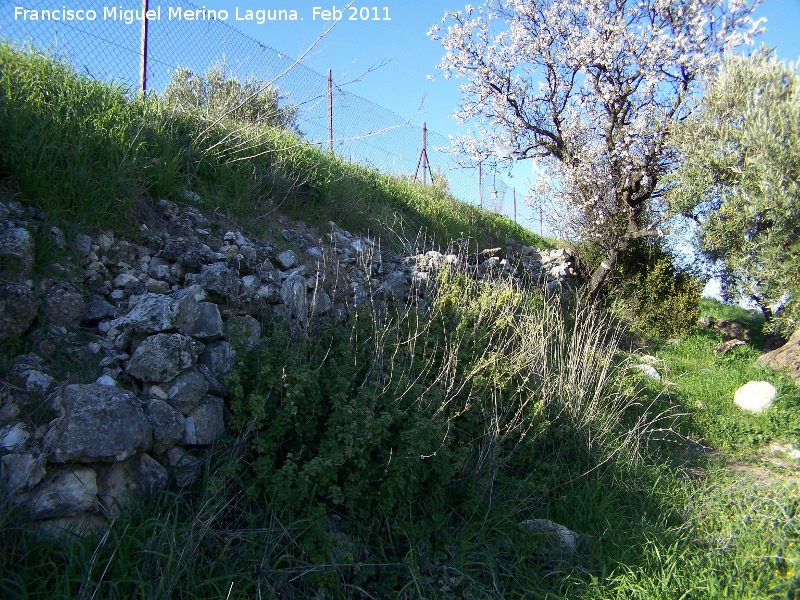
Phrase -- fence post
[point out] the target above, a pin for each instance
(515, 203)
(480, 184)
(425, 152)
(143, 63)
(330, 110)
(423, 157)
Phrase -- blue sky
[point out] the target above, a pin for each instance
(394, 56)
(352, 48)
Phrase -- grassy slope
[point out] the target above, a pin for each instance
(685, 526)
(85, 153)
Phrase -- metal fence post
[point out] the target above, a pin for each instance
(143, 63)
(514, 190)
(330, 110)
(425, 152)
(480, 183)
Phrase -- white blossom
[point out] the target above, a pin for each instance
(587, 88)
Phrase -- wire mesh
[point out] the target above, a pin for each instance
(108, 48)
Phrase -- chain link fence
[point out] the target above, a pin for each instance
(109, 49)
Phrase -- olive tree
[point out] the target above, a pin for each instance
(740, 180)
(588, 89)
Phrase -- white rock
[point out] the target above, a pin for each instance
(755, 396)
(106, 380)
(191, 196)
(124, 279)
(13, 437)
(105, 241)
(21, 471)
(650, 360)
(66, 492)
(648, 371)
(567, 539)
(287, 259)
(37, 382)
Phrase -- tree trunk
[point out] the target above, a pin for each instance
(601, 272)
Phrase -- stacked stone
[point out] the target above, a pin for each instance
(155, 319)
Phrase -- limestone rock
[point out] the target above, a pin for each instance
(155, 313)
(648, 371)
(218, 280)
(162, 357)
(786, 357)
(124, 483)
(555, 535)
(704, 322)
(287, 259)
(125, 280)
(66, 492)
(187, 390)
(21, 472)
(183, 465)
(99, 424)
(293, 296)
(269, 293)
(13, 437)
(208, 325)
(97, 309)
(319, 303)
(36, 381)
(244, 330)
(18, 309)
(82, 244)
(17, 254)
(205, 424)
(755, 396)
(61, 304)
(396, 285)
(168, 425)
(430, 262)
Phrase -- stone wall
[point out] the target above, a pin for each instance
(151, 326)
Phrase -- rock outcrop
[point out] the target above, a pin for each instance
(786, 358)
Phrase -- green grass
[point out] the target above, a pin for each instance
(703, 383)
(447, 431)
(719, 310)
(87, 154)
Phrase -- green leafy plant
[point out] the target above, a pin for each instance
(739, 181)
(219, 95)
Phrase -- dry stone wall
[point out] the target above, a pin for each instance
(148, 329)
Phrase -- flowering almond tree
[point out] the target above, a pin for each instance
(588, 89)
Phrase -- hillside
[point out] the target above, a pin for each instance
(235, 366)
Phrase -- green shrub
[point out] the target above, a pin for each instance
(218, 95)
(661, 299)
(405, 413)
(657, 297)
